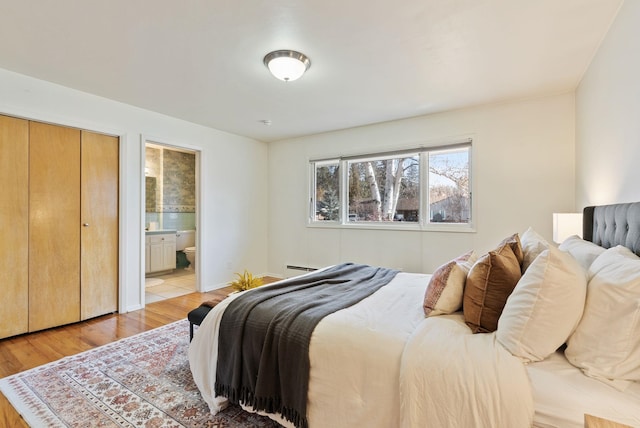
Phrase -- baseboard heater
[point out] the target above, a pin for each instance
(294, 270)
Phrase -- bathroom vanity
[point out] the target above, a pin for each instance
(160, 251)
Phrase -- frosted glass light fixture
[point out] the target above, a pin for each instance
(566, 225)
(287, 65)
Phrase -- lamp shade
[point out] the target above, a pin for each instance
(566, 225)
(287, 65)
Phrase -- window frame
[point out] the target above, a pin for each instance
(423, 223)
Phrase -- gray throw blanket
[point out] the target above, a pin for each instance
(263, 345)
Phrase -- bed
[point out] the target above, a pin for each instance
(539, 345)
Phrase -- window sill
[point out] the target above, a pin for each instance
(396, 226)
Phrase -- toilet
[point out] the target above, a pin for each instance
(186, 242)
(190, 252)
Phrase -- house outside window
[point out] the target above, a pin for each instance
(424, 188)
(449, 192)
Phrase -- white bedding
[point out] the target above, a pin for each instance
(454, 378)
(355, 357)
(369, 367)
(563, 395)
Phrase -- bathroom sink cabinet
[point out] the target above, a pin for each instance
(160, 252)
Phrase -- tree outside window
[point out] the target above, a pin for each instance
(385, 189)
(327, 191)
(449, 196)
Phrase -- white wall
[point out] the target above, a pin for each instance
(233, 177)
(608, 117)
(523, 171)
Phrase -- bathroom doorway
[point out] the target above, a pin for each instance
(170, 221)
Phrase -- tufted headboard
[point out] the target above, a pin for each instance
(611, 225)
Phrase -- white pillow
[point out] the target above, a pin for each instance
(544, 308)
(584, 252)
(532, 245)
(446, 287)
(606, 344)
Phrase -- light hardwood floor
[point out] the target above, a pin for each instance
(31, 350)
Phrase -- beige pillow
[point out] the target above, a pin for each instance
(606, 343)
(446, 286)
(489, 283)
(545, 306)
(532, 245)
(584, 252)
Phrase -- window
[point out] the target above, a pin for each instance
(449, 195)
(385, 189)
(327, 191)
(407, 189)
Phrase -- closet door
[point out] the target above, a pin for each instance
(14, 221)
(54, 226)
(99, 231)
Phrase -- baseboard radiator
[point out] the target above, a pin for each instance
(295, 270)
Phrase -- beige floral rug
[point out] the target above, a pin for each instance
(140, 381)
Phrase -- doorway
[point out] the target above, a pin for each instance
(170, 221)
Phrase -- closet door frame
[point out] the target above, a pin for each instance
(126, 270)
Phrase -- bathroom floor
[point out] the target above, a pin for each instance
(174, 284)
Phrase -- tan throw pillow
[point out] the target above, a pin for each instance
(516, 245)
(446, 286)
(489, 283)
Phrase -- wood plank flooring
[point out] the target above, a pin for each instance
(26, 351)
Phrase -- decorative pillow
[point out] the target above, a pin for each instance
(445, 289)
(489, 283)
(545, 307)
(584, 252)
(514, 242)
(606, 344)
(532, 245)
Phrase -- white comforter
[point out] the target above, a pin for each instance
(380, 363)
(469, 380)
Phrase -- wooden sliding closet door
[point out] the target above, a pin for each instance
(54, 226)
(99, 232)
(14, 206)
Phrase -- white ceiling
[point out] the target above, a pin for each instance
(371, 60)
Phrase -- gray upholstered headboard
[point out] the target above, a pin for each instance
(611, 225)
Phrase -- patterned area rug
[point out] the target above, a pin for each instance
(140, 381)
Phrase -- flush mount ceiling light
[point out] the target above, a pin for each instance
(287, 65)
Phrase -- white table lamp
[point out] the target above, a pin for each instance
(566, 225)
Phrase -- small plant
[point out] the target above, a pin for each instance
(246, 281)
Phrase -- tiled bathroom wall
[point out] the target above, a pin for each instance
(170, 188)
(179, 221)
(179, 182)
